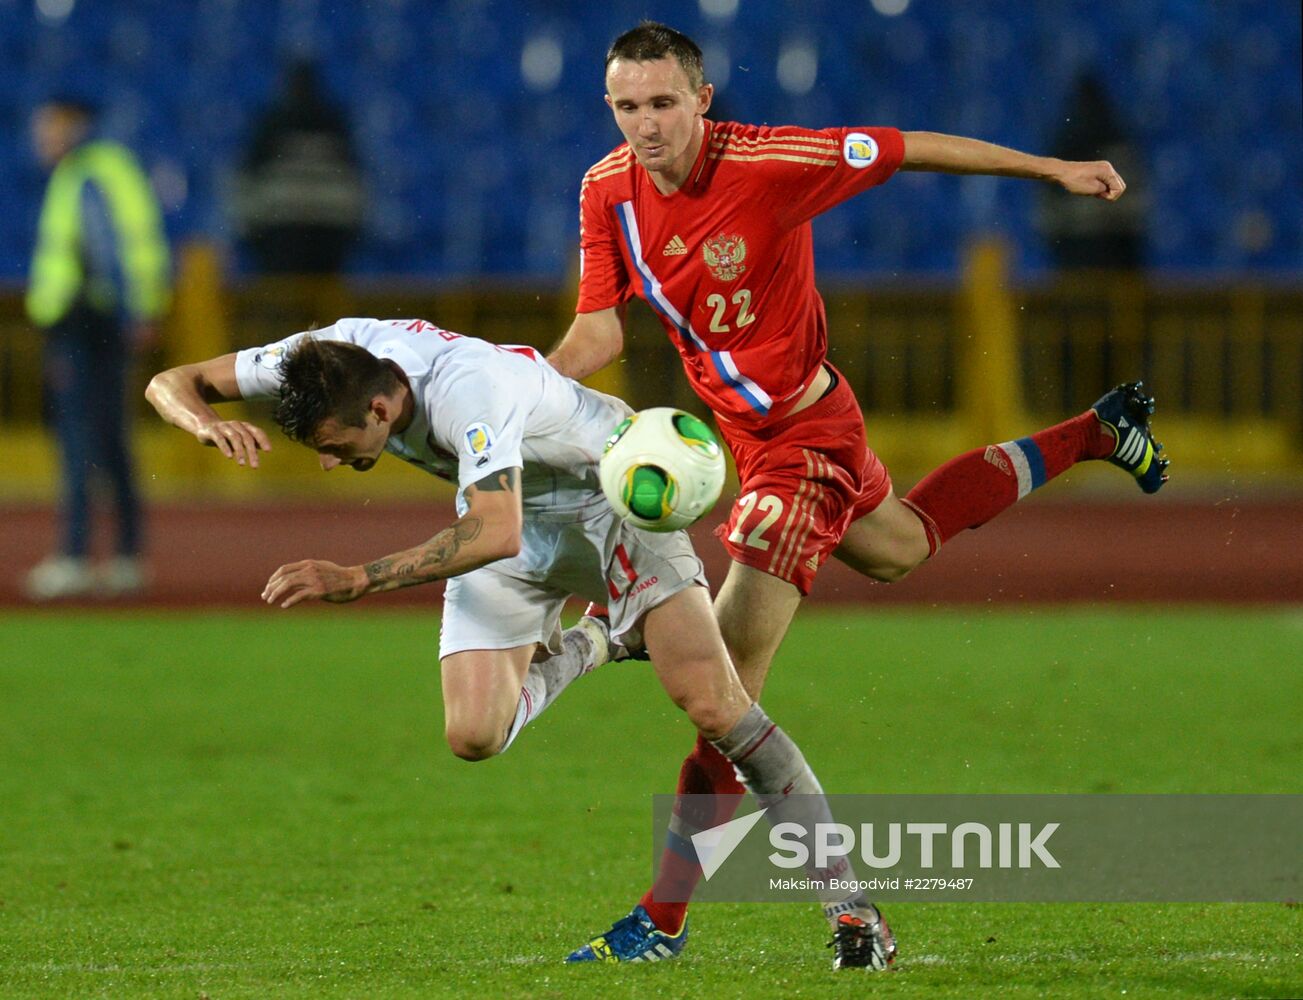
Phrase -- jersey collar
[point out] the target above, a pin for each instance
(415, 436)
(694, 178)
(698, 166)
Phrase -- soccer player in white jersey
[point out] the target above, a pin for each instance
(522, 442)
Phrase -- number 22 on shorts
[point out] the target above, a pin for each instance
(770, 506)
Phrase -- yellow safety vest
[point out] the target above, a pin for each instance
(58, 276)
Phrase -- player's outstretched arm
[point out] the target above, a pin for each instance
(953, 154)
(183, 397)
(593, 341)
(489, 531)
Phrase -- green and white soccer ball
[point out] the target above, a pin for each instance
(662, 469)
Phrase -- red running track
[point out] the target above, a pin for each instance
(1157, 550)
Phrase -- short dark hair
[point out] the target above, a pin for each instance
(652, 40)
(74, 105)
(321, 379)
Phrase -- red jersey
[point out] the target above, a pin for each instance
(727, 261)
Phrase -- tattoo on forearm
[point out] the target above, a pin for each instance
(445, 545)
(425, 562)
(433, 559)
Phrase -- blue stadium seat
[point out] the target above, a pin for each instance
(440, 106)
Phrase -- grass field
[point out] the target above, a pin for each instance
(260, 805)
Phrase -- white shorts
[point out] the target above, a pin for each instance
(517, 601)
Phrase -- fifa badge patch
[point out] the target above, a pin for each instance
(479, 439)
(270, 358)
(859, 150)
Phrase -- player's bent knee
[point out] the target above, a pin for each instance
(474, 744)
(885, 567)
(892, 573)
(713, 717)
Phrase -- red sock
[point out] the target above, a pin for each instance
(706, 771)
(969, 490)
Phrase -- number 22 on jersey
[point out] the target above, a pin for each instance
(745, 317)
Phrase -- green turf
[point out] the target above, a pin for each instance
(260, 805)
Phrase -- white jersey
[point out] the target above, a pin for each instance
(479, 408)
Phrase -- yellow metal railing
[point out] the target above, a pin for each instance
(938, 368)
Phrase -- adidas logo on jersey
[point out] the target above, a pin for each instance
(675, 247)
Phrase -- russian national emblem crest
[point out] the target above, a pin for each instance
(724, 256)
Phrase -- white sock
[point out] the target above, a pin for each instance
(548, 678)
(776, 772)
(528, 708)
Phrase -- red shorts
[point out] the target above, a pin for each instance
(803, 481)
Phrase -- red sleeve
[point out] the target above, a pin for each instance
(864, 158)
(603, 278)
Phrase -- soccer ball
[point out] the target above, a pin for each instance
(662, 469)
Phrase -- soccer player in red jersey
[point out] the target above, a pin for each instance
(709, 222)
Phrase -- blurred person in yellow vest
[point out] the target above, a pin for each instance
(98, 286)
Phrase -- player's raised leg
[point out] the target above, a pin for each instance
(584, 648)
(490, 695)
(484, 699)
(887, 542)
(1125, 411)
(971, 489)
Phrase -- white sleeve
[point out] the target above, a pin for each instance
(481, 416)
(257, 369)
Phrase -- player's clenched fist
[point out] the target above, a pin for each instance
(1096, 178)
(314, 579)
(235, 439)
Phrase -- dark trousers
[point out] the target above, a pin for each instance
(87, 361)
